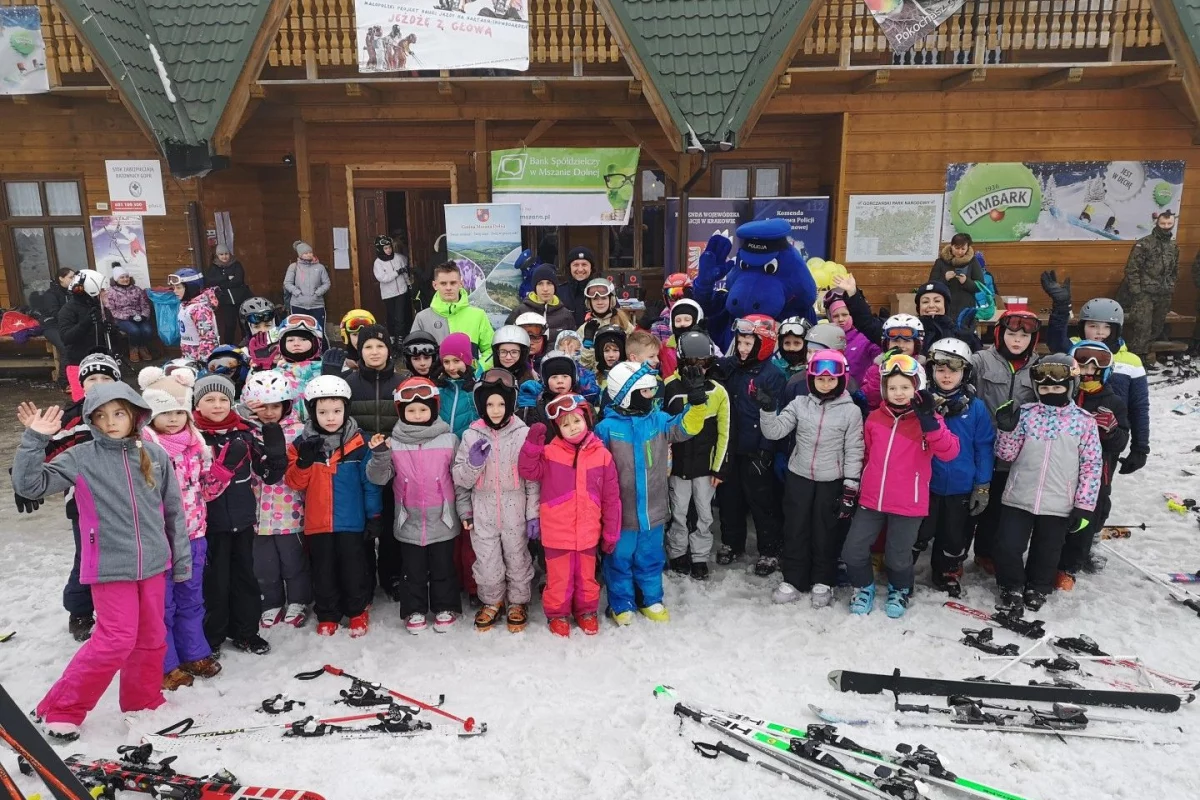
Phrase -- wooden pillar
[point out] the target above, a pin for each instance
(483, 162)
(303, 180)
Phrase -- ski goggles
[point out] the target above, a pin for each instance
(420, 349)
(498, 377)
(307, 321)
(259, 317)
(172, 280)
(790, 328)
(827, 367)
(1101, 357)
(750, 327)
(421, 391)
(1052, 372)
(598, 290)
(564, 404)
(956, 363)
(901, 364)
(1020, 323)
(355, 324)
(904, 332)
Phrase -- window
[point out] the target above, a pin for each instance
(43, 229)
(763, 179)
(639, 244)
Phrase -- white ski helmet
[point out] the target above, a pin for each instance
(270, 386)
(628, 377)
(826, 336)
(686, 305)
(951, 346)
(88, 281)
(530, 318)
(903, 321)
(324, 386)
(512, 334)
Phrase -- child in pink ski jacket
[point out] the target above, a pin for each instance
(200, 480)
(901, 438)
(198, 335)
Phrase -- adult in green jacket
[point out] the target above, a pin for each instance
(451, 312)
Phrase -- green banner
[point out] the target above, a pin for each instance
(567, 186)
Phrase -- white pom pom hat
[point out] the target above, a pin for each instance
(165, 393)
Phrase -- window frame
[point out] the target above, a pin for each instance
(752, 167)
(8, 250)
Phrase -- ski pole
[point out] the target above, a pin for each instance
(1077, 658)
(1141, 527)
(468, 723)
(714, 749)
(1183, 595)
(1017, 658)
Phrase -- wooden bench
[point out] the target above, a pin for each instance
(48, 361)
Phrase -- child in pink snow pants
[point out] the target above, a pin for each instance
(133, 540)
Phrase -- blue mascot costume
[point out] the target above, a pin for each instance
(768, 276)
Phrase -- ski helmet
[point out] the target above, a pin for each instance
(954, 353)
(1025, 321)
(498, 381)
(1089, 351)
(417, 390)
(221, 352)
(901, 364)
(608, 334)
(420, 343)
(530, 319)
(382, 241)
(303, 326)
(191, 280)
(1056, 369)
(271, 386)
(625, 382)
(354, 320)
(1103, 309)
(325, 387)
(512, 334)
(765, 331)
(795, 326)
(177, 363)
(689, 306)
(677, 286)
(257, 310)
(694, 346)
(566, 404)
(826, 364)
(598, 287)
(826, 336)
(99, 364)
(903, 326)
(89, 282)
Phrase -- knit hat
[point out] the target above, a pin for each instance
(458, 344)
(222, 250)
(557, 362)
(99, 364)
(301, 247)
(165, 393)
(936, 287)
(119, 271)
(582, 254)
(544, 272)
(374, 332)
(214, 383)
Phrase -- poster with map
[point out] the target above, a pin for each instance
(893, 228)
(484, 239)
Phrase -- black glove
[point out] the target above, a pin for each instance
(922, 403)
(1078, 520)
(1132, 462)
(333, 361)
(1007, 417)
(762, 463)
(764, 400)
(233, 454)
(1057, 292)
(309, 451)
(24, 504)
(848, 503)
(374, 528)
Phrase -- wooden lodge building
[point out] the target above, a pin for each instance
(271, 122)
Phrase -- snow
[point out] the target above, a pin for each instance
(577, 718)
(162, 70)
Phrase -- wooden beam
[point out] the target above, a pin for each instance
(448, 112)
(455, 93)
(635, 90)
(239, 109)
(112, 96)
(977, 75)
(624, 126)
(303, 178)
(784, 83)
(871, 80)
(1059, 77)
(1153, 77)
(483, 170)
(360, 92)
(536, 132)
(541, 90)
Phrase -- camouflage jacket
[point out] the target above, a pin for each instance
(1153, 265)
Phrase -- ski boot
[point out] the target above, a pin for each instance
(766, 565)
(656, 612)
(516, 619)
(1033, 599)
(681, 565)
(1065, 581)
(61, 731)
(176, 678)
(986, 564)
(204, 668)
(588, 623)
(327, 628)
(80, 626)
(699, 570)
(897, 601)
(559, 626)
(863, 600)
(623, 618)
(360, 624)
(949, 584)
(785, 593)
(821, 595)
(1010, 602)
(255, 645)
(486, 617)
(727, 555)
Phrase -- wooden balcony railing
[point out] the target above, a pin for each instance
(990, 31)
(560, 32)
(65, 54)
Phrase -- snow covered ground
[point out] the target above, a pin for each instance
(577, 719)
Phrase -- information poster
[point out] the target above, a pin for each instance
(121, 239)
(706, 216)
(893, 228)
(136, 187)
(567, 186)
(484, 239)
(22, 51)
(401, 35)
(906, 22)
(1059, 200)
(808, 216)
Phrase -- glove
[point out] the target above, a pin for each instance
(966, 318)
(24, 504)
(1078, 520)
(607, 547)
(848, 503)
(310, 451)
(374, 528)
(979, 499)
(478, 453)
(922, 403)
(1106, 420)
(697, 396)
(762, 463)
(1007, 416)
(764, 400)
(1132, 463)
(539, 434)
(233, 453)
(533, 529)
(333, 361)
(719, 247)
(1057, 292)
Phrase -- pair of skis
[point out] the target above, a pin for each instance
(901, 772)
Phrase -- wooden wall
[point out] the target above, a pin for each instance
(46, 141)
(901, 143)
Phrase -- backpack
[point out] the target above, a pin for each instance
(985, 296)
(166, 315)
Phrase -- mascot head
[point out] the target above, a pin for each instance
(768, 276)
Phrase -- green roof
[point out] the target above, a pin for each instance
(710, 60)
(1189, 20)
(202, 46)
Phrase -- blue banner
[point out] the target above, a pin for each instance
(808, 216)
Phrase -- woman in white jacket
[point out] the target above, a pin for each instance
(391, 270)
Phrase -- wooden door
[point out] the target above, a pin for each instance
(426, 222)
(370, 220)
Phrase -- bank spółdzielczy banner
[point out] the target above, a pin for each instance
(567, 186)
(400, 35)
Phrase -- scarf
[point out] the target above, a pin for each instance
(176, 444)
(232, 422)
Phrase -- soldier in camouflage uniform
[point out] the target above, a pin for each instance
(1150, 275)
